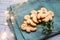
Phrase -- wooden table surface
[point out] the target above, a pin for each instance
(5, 32)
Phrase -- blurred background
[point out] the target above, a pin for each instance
(5, 32)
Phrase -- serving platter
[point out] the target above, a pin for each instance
(18, 11)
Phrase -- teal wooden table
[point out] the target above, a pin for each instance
(4, 4)
(20, 10)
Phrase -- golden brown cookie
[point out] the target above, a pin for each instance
(51, 13)
(34, 16)
(33, 28)
(28, 29)
(45, 19)
(29, 21)
(23, 26)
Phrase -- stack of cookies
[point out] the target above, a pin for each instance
(30, 21)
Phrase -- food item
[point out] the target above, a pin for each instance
(42, 13)
(45, 19)
(33, 12)
(33, 28)
(25, 22)
(30, 21)
(26, 17)
(23, 26)
(28, 29)
(50, 17)
(44, 10)
(51, 13)
(39, 20)
(43, 16)
(39, 14)
(34, 16)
